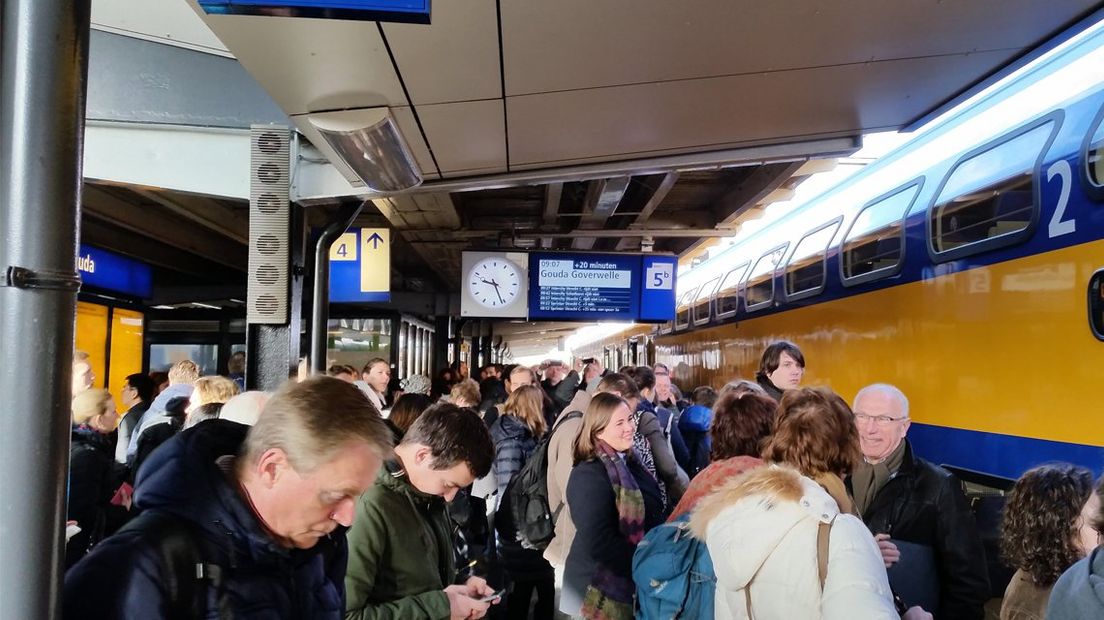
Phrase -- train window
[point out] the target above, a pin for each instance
(682, 311)
(1093, 156)
(1096, 304)
(728, 294)
(805, 271)
(874, 245)
(700, 315)
(759, 292)
(989, 198)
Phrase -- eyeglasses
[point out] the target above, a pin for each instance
(880, 420)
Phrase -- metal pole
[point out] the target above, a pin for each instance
(320, 304)
(43, 72)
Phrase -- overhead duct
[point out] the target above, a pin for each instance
(370, 144)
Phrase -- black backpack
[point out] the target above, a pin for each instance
(527, 495)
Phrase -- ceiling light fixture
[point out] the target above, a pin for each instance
(369, 142)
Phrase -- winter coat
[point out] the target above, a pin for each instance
(597, 538)
(662, 456)
(924, 504)
(514, 444)
(400, 552)
(561, 458)
(1079, 592)
(132, 419)
(91, 484)
(156, 413)
(1024, 599)
(123, 576)
(562, 392)
(675, 439)
(768, 386)
(761, 529)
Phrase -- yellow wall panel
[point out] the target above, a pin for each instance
(91, 337)
(126, 349)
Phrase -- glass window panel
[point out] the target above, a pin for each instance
(701, 303)
(1094, 158)
(760, 286)
(163, 356)
(91, 337)
(989, 195)
(874, 241)
(806, 268)
(728, 297)
(355, 341)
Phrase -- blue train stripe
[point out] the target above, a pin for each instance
(993, 453)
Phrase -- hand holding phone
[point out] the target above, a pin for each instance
(492, 596)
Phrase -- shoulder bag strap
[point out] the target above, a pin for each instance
(824, 533)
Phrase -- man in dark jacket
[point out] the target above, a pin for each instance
(401, 560)
(250, 525)
(136, 396)
(905, 498)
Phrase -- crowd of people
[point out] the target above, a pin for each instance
(359, 495)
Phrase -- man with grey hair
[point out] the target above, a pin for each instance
(239, 521)
(904, 499)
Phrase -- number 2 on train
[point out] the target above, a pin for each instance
(1058, 226)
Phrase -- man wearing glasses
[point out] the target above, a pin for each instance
(136, 396)
(915, 510)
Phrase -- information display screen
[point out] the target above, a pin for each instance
(108, 270)
(415, 11)
(598, 287)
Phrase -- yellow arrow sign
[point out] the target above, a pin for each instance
(375, 260)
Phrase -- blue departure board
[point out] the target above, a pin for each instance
(601, 287)
(109, 271)
(410, 11)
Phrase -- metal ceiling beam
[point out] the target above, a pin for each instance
(602, 199)
(553, 194)
(101, 233)
(103, 205)
(656, 199)
(202, 211)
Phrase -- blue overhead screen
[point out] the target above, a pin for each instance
(410, 11)
(112, 272)
(600, 287)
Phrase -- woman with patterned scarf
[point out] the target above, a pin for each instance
(614, 500)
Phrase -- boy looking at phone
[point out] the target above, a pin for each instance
(401, 560)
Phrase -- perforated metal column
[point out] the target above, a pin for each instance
(270, 171)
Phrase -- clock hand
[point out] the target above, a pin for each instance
(500, 299)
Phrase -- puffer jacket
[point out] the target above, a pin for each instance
(123, 576)
(91, 484)
(1079, 592)
(761, 529)
(514, 444)
(400, 552)
(924, 504)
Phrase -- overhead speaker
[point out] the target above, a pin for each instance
(370, 144)
(269, 222)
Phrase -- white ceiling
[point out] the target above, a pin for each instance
(593, 81)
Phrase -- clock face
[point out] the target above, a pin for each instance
(494, 282)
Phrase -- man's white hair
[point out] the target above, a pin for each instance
(887, 389)
(245, 408)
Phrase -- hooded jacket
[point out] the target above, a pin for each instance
(91, 484)
(156, 414)
(123, 577)
(1079, 592)
(761, 529)
(514, 444)
(400, 552)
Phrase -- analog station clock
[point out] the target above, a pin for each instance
(494, 282)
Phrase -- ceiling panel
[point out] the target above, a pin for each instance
(466, 136)
(632, 121)
(171, 22)
(582, 44)
(455, 59)
(313, 65)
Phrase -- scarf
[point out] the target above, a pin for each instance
(833, 484)
(610, 595)
(869, 478)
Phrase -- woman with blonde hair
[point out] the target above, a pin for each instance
(212, 389)
(516, 432)
(613, 500)
(91, 483)
(773, 531)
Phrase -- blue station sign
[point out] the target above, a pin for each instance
(110, 271)
(601, 287)
(407, 11)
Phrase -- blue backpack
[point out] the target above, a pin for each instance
(673, 574)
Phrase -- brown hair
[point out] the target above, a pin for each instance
(453, 435)
(814, 430)
(407, 409)
(1041, 520)
(620, 383)
(595, 420)
(741, 424)
(527, 403)
(311, 420)
(772, 357)
(375, 361)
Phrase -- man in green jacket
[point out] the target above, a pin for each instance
(401, 561)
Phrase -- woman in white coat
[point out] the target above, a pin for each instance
(762, 527)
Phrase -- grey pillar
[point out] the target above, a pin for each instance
(320, 300)
(43, 73)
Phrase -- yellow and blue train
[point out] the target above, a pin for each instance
(966, 268)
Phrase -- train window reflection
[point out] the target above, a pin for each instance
(728, 295)
(700, 314)
(759, 292)
(805, 272)
(873, 245)
(989, 194)
(682, 312)
(1094, 156)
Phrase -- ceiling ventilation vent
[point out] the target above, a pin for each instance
(269, 219)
